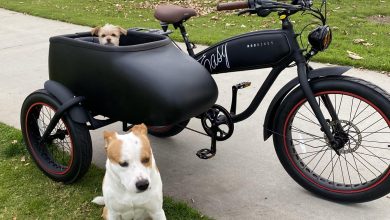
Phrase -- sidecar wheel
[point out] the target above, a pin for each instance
(67, 156)
(168, 130)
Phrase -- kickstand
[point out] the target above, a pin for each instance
(209, 153)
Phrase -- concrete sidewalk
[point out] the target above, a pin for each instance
(244, 181)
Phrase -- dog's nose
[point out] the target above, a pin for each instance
(142, 185)
(108, 40)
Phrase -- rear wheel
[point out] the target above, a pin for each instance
(66, 155)
(362, 170)
(168, 130)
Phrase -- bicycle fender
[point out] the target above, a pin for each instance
(77, 113)
(285, 90)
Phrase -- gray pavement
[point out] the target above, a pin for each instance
(244, 181)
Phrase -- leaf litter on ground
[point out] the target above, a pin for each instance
(354, 55)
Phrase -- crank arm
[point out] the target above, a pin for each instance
(206, 153)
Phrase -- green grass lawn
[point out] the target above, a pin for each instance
(350, 19)
(26, 193)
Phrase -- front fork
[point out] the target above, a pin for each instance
(304, 82)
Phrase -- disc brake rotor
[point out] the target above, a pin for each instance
(353, 138)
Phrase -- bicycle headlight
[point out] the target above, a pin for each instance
(320, 38)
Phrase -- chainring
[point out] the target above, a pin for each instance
(219, 117)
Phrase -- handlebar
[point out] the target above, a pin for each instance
(263, 4)
(232, 5)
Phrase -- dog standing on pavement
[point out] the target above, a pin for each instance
(132, 187)
(108, 34)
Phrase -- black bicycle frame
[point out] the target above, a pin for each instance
(261, 49)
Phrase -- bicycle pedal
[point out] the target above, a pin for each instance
(242, 85)
(205, 154)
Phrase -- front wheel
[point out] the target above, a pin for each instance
(67, 153)
(361, 171)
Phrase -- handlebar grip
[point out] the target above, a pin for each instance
(232, 5)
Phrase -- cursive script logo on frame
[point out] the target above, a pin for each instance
(212, 61)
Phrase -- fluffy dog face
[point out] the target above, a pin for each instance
(109, 34)
(131, 158)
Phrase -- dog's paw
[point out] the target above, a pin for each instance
(98, 200)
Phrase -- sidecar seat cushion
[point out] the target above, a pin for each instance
(173, 14)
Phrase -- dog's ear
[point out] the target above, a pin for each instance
(95, 31)
(123, 31)
(108, 136)
(140, 129)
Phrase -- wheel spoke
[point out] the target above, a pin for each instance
(304, 105)
(316, 152)
(383, 148)
(304, 132)
(47, 115)
(365, 118)
(307, 119)
(312, 152)
(354, 116)
(304, 143)
(350, 112)
(371, 125)
(63, 153)
(368, 164)
(357, 169)
(335, 102)
(333, 166)
(342, 96)
(360, 112)
(313, 158)
(342, 172)
(374, 155)
(379, 142)
(308, 140)
(375, 132)
(350, 116)
(319, 161)
(349, 175)
(331, 161)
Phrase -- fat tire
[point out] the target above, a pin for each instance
(362, 88)
(79, 134)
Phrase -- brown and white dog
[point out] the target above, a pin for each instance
(108, 34)
(132, 187)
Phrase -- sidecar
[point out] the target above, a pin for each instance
(146, 79)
